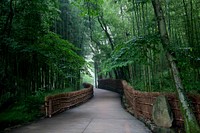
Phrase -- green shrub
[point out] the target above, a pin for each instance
(26, 110)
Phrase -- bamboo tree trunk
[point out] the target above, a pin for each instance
(137, 19)
(130, 73)
(135, 10)
(143, 20)
(105, 29)
(144, 77)
(149, 72)
(191, 124)
(133, 19)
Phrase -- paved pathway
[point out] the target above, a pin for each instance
(102, 114)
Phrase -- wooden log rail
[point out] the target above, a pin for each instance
(60, 102)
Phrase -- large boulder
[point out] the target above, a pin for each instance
(162, 114)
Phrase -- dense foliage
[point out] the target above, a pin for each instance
(36, 53)
(149, 43)
(27, 109)
(42, 44)
(126, 42)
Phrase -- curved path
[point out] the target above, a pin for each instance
(102, 114)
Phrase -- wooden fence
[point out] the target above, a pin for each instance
(141, 104)
(60, 102)
(114, 85)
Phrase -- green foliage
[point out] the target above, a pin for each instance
(87, 79)
(138, 53)
(33, 19)
(162, 82)
(188, 65)
(26, 110)
(134, 51)
(88, 7)
(87, 72)
(57, 50)
(33, 55)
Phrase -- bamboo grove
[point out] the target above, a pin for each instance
(126, 43)
(153, 44)
(38, 51)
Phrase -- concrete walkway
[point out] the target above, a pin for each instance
(102, 114)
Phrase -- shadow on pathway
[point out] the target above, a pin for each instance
(102, 114)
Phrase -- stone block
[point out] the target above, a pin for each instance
(162, 114)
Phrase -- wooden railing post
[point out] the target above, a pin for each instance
(50, 108)
(46, 108)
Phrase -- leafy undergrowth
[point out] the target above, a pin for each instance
(26, 110)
